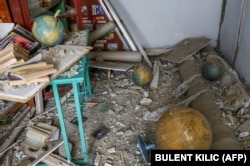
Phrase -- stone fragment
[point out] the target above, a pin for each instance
(244, 134)
(112, 150)
(97, 160)
(129, 133)
(245, 126)
(145, 101)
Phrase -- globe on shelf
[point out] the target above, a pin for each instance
(183, 128)
(48, 30)
(142, 75)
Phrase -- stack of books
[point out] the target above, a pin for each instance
(15, 50)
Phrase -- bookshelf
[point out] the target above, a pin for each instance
(93, 17)
(25, 11)
(4, 12)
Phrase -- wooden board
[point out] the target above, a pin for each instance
(4, 12)
(111, 65)
(25, 94)
(185, 48)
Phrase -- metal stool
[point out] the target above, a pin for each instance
(81, 89)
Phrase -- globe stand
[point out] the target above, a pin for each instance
(144, 148)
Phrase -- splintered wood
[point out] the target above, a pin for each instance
(111, 65)
(13, 131)
(185, 48)
(156, 73)
(51, 159)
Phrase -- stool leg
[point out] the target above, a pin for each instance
(61, 120)
(88, 83)
(79, 118)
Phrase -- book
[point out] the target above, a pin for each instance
(37, 74)
(8, 63)
(16, 50)
(6, 57)
(30, 73)
(5, 69)
(15, 38)
(36, 80)
(25, 33)
(28, 67)
(5, 51)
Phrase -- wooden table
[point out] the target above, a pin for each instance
(25, 94)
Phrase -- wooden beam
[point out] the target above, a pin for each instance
(156, 73)
(46, 153)
(111, 65)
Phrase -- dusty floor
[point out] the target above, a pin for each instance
(121, 106)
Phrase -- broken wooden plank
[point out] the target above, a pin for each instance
(10, 111)
(14, 132)
(29, 66)
(185, 48)
(36, 69)
(9, 157)
(10, 147)
(156, 73)
(111, 65)
(36, 80)
(156, 51)
(46, 128)
(48, 157)
(28, 77)
(46, 153)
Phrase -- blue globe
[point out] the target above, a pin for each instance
(48, 30)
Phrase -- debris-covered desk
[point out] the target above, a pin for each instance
(26, 92)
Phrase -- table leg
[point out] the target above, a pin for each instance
(80, 123)
(61, 120)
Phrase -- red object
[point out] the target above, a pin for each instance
(20, 13)
(4, 12)
(48, 94)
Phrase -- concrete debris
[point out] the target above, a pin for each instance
(245, 126)
(97, 160)
(112, 150)
(244, 134)
(109, 162)
(127, 110)
(20, 155)
(61, 150)
(145, 101)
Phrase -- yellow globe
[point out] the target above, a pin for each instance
(183, 128)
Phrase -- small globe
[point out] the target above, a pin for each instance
(48, 30)
(212, 69)
(183, 128)
(142, 75)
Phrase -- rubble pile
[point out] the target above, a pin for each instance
(114, 115)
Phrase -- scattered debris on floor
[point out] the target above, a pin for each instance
(120, 111)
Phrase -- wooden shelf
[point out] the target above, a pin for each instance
(4, 12)
(24, 13)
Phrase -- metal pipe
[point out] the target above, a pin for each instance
(124, 42)
(98, 33)
(120, 26)
(121, 56)
(131, 39)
